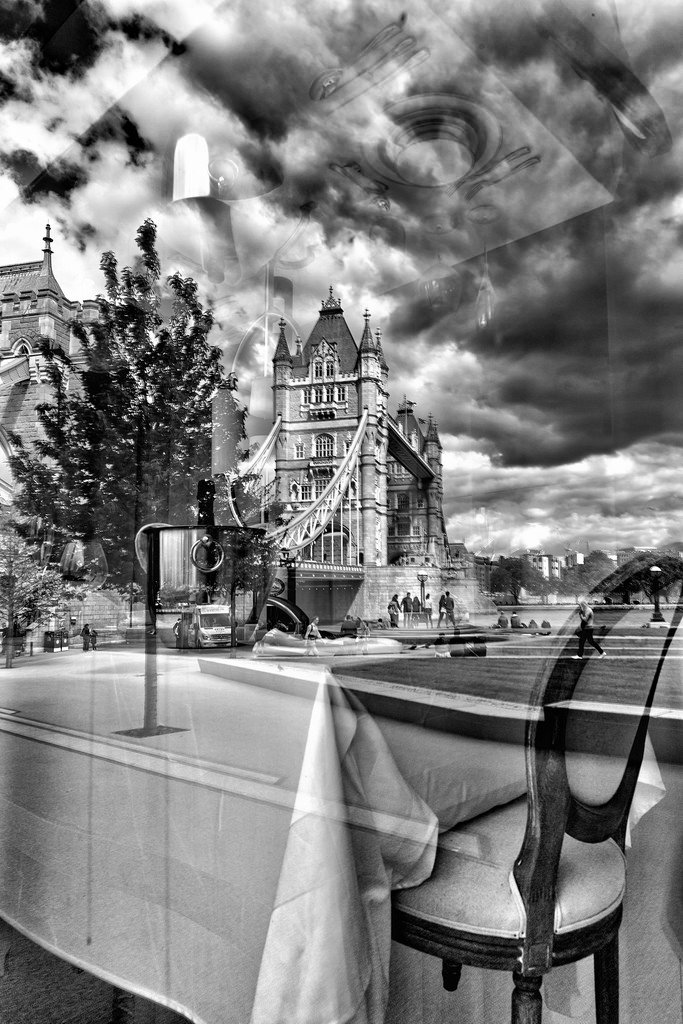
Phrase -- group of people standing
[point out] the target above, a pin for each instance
(415, 611)
(89, 637)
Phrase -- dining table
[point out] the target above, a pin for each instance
(235, 862)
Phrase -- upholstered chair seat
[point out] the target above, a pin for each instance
(472, 888)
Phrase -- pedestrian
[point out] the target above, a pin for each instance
(176, 630)
(407, 607)
(311, 635)
(585, 631)
(449, 608)
(442, 609)
(394, 610)
(85, 634)
(93, 639)
(428, 610)
(364, 634)
(417, 611)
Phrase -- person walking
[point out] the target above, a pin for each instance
(428, 610)
(585, 632)
(417, 611)
(407, 607)
(449, 608)
(85, 634)
(93, 639)
(312, 634)
(364, 634)
(442, 609)
(394, 610)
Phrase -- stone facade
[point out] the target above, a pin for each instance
(390, 524)
(392, 513)
(34, 310)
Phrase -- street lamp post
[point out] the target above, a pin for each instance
(422, 579)
(656, 580)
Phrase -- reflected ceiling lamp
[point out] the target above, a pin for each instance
(486, 297)
(441, 286)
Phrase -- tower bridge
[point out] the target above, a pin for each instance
(359, 491)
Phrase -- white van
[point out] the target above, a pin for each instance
(204, 625)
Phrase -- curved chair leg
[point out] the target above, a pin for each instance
(606, 971)
(450, 975)
(527, 1005)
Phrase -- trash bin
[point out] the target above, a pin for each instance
(49, 641)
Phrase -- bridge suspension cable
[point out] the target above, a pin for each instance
(312, 521)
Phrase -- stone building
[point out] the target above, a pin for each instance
(388, 533)
(34, 310)
(392, 512)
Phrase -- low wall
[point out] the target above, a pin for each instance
(382, 582)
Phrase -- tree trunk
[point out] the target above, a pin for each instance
(9, 638)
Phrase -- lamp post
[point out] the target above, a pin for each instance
(288, 561)
(656, 579)
(422, 579)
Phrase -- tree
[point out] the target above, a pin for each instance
(29, 592)
(636, 576)
(127, 434)
(513, 575)
(598, 566)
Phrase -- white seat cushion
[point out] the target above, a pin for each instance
(472, 888)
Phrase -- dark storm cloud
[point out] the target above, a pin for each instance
(66, 33)
(582, 357)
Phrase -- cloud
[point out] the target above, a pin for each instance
(580, 367)
(633, 497)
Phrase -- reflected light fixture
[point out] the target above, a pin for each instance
(486, 297)
(441, 286)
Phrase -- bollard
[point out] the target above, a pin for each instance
(30, 649)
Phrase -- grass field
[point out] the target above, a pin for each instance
(619, 678)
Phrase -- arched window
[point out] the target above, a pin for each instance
(329, 368)
(22, 348)
(318, 369)
(403, 502)
(324, 446)
(299, 450)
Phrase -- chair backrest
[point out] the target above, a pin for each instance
(583, 760)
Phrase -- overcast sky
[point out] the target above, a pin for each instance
(561, 417)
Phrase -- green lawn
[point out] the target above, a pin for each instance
(616, 679)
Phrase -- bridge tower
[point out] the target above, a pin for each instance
(320, 392)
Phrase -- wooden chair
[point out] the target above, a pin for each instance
(540, 882)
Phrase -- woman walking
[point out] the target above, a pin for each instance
(312, 634)
(585, 631)
(394, 610)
